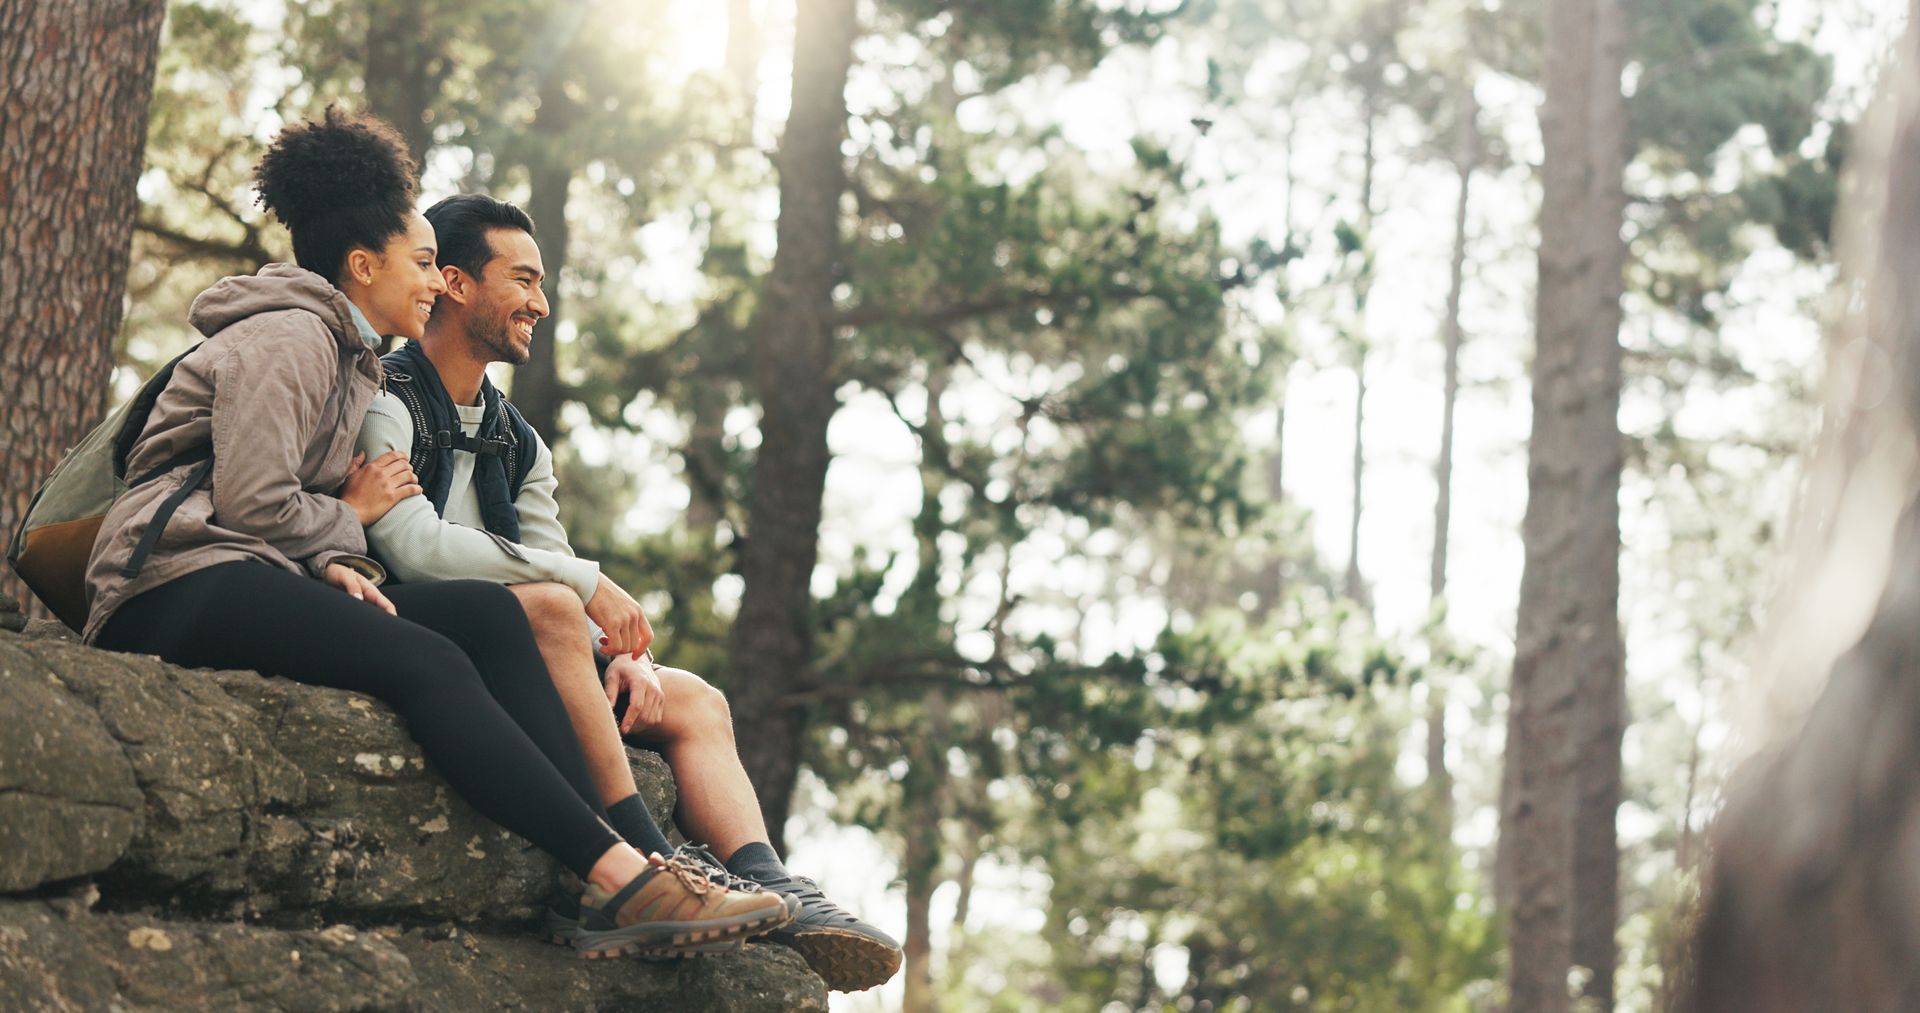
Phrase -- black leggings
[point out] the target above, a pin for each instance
(459, 664)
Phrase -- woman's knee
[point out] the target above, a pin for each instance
(428, 670)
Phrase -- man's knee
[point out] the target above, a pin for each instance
(699, 701)
(552, 607)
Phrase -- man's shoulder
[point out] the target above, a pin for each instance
(387, 425)
(387, 404)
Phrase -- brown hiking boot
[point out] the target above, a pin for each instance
(672, 909)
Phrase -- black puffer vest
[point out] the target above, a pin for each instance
(503, 450)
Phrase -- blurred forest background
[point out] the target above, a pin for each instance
(1089, 439)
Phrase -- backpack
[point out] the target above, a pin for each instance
(517, 451)
(51, 547)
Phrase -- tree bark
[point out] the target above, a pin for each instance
(1362, 291)
(1563, 739)
(76, 78)
(922, 860)
(1356, 586)
(537, 390)
(743, 61)
(1466, 158)
(403, 72)
(1811, 901)
(794, 379)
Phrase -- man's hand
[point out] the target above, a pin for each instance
(347, 579)
(616, 613)
(646, 701)
(372, 489)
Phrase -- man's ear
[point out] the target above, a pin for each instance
(361, 264)
(459, 284)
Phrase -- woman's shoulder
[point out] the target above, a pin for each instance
(280, 303)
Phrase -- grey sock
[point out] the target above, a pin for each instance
(758, 862)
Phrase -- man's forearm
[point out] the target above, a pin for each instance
(413, 541)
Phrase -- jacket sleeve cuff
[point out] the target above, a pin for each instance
(583, 575)
(362, 565)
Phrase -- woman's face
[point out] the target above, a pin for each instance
(396, 288)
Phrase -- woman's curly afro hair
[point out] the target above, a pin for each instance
(340, 181)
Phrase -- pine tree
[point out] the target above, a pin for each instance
(75, 80)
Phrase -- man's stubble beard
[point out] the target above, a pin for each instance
(497, 339)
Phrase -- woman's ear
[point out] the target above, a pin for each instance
(360, 265)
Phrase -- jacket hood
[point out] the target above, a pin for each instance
(275, 287)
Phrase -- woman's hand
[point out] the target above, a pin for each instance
(646, 701)
(347, 579)
(620, 618)
(372, 489)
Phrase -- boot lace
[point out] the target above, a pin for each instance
(703, 857)
(687, 871)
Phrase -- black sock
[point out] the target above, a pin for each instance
(758, 862)
(632, 821)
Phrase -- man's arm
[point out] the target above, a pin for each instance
(419, 545)
(538, 505)
(609, 607)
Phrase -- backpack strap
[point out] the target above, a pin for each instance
(157, 524)
(525, 446)
(421, 455)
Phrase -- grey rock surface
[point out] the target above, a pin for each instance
(465, 970)
(229, 841)
(231, 793)
(60, 957)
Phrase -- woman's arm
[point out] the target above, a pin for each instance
(270, 389)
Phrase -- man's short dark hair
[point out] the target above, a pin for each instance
(461, 223)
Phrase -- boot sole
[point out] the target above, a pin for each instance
(668, 940)
(565, 937)
(846, 961)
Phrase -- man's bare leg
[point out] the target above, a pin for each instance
(718, 806)
(560, 627)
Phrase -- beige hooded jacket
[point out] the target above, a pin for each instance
(279, 387)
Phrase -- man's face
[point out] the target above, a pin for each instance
(507, 299)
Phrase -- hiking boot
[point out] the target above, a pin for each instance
(560, 924)
(670, 910)
(849, 954)
(720, 874)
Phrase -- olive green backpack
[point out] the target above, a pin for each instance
(50, 548)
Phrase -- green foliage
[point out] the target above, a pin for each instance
(1724, 116)
(1258, 824)
(1076, 353)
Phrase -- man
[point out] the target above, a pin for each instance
(489, 513)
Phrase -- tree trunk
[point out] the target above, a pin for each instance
(1362, 291)
(537, 391)
(922, 861)
(1439, 778)
(1563, 738)
(1466, 157)
(1811, 902)
(923, 787)
(403, 72)
(743, 62)
(76, 78)
(1356, 586)
(794, 380)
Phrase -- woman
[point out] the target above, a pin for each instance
(248, 570)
